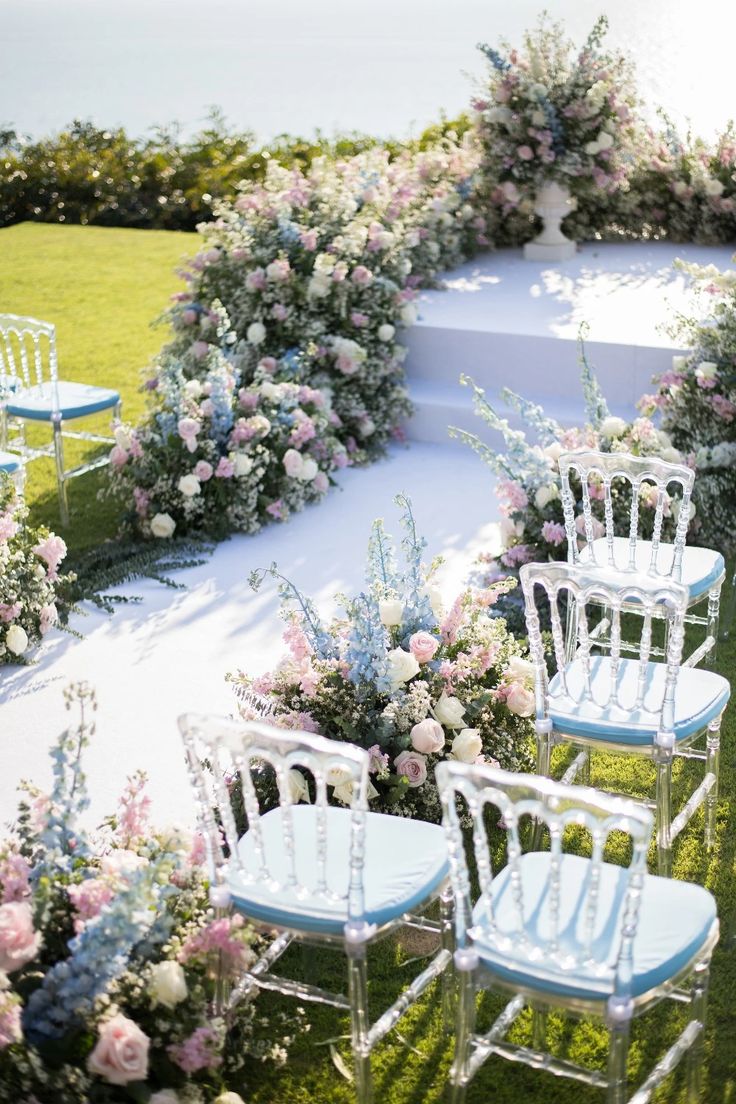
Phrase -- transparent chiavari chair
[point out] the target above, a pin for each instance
(616, 704)
(31, 392)
(317, 874)
(560, 931)
(603, 474)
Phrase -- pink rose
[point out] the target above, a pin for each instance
(188, 428)
(526, 153)
(320, 482)
(225, 469)
(121, 1053)
(293, 462)
(19, 943)
(189, 317)
(256, 280)
(118, 456)
(520, 699)
(268, 364)
(362, 275)
(428, 737)
(200, 349)
(423, 646)
(203, 471)
(412, 767)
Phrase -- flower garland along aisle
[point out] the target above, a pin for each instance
(108, 951)
(528, 480)
(285, 363)
(401, 676)
(697, 403)
(29, 577)
(550, 112)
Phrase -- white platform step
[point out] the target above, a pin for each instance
(509, 322)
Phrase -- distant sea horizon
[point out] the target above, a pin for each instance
(387, 68)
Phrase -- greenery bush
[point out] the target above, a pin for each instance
(89, 175)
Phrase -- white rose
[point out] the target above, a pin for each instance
(309, 469)
(229, 1098)
(271, 391)
(554, 451)
(162, 525)
(390, 610)
(713, 188)
(521, 670)
(165, 1096)
(122, 437)
(320, 286)
(677, 506)
(592, 148)
(605, 140)
(402, 666)
(612, 426)
(467, 745)
(501, 114)
(176, 838)
(449, 712)
(386, 331)
(243, 464)
(16, 639)
(338, 776)
(256, 333)
(679, 187)
(706, 370)
(435, 600)
(189, 486)
(192, 389)
(538, 91)
(538, 118)
(167, 984)
(679, 363)
(545, 494)
(510, 530)
(298, 788)
(346, 791)
(409, 314)
(427, 737)
(520, 699)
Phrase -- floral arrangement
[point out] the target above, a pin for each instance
(550, 111)
(285, 363)
(696, 401)
(108, 952)
(400, 675)
(29, 577)
(528, 483)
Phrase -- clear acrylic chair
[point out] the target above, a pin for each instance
(562, 932)
(31, 392)
(630, 706)
(13, 466)
(604, 474)
(314, 873)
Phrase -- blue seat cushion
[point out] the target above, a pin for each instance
(675, 920)
(701, 567)
(9, 462)
(76, 400)
(700, 696)
(405, 862)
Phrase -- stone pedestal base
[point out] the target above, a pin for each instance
(554, 251)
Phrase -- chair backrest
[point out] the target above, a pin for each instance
(602, 474)
(27, 352)
(532, 930)
(237, 752)
(589, 590)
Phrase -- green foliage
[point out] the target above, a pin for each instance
(86, 174)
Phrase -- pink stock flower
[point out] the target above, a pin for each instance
(203, 470)
(378, 761)
(89, 898)
(553, 532)
(133, 810)
(48, 616)
(14, 877)
(309, 240)
(218, 937)
(121, 1052)
(276, 509)
(8, 527)
(423, 646)
(198, 1052)
(53, 550)
(11, 1030)
(225, 468)
(19, 942)
(359, 319)
(723, 407)
(320, 482)
(256, 280)
(9, 612)
(279, 312)
(118, 456)
(513, 493)
(141, 501)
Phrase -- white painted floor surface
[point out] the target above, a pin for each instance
(153, 661)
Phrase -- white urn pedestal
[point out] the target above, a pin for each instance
(553, 203)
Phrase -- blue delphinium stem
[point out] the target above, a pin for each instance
(596, 406)
(320, 640)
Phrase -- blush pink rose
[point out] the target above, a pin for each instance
(200, 349)
(423, 646)
(520, 699)
(412, 766)
(121, 1053)
(53, 550)
(118, 456)
(203, 471)
(19, 943)
(427, 737)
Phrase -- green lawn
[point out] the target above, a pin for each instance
(103, 288)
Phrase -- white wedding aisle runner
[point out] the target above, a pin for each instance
(152, 661)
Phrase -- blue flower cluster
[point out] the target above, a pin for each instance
(496, 60)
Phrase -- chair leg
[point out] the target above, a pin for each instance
(358, 992)
(571, 629)
(698, 1006)
(618, 1053)
(539, 1028)
(544, 768)
(464, 1028)
(447, 922)
(664, 815)
(60, 480)
(3, 427)
(712, 764)
(712, 629)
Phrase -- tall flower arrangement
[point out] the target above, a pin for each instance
(286, 362)
(108, 953)
(697, 403)
(400, 675)
(550, 111)
(29, 577)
